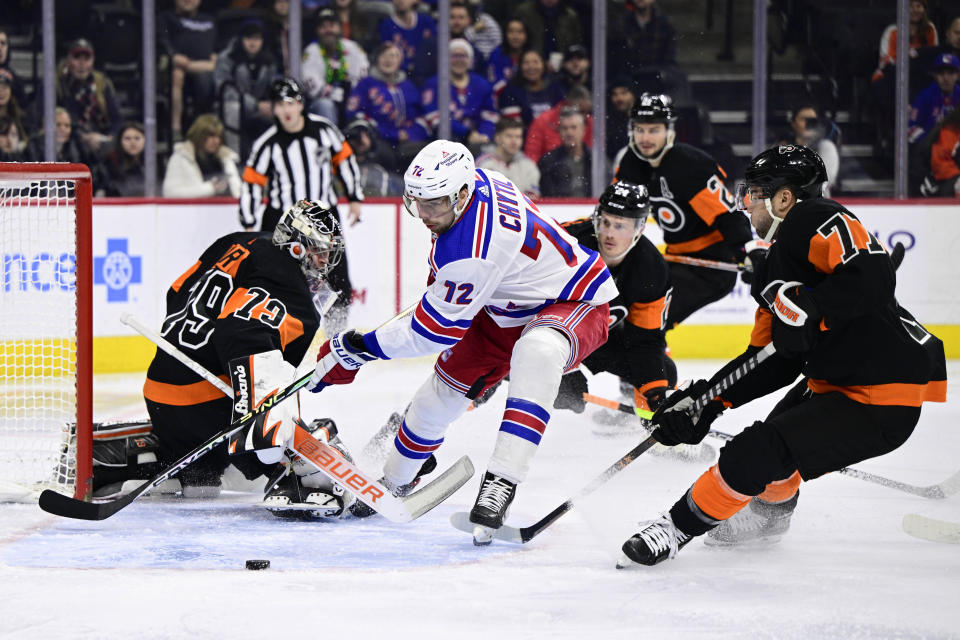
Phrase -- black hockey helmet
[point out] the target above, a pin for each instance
(312, 236)
(786, 165)
(652, 107)
(625, 199)
(286, 89)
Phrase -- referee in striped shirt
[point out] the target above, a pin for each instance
(295, 160)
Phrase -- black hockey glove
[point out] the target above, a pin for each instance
(675, 421)
(796, 320)
(570, 394)
(756, 256)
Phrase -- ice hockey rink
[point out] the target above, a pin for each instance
(168, 568)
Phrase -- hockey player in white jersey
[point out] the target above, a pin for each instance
(509, 292)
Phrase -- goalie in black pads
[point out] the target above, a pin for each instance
(246, 311)
(826, 301)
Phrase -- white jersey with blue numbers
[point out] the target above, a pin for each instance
(502, 257)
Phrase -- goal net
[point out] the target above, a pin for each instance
(45, 329)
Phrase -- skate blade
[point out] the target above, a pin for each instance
(482, 536)
(283, 508)
(624, 562)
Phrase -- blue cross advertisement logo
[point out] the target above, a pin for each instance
(118, 270)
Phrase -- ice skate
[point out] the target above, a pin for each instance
(657, 540)
(759, 522)
(490, 510)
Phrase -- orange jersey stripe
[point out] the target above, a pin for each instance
(781, 490)
(714, 497)
(182, 395)
(648, 315)
(345, 152)
(825, 253)
(707, 205)
(696, 244)
(762, 333)
(900, 394)
(252, 176)
(183, 278)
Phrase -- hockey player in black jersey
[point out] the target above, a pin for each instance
(690, 202)
(826, 301)
(246, 311)
(635, 349)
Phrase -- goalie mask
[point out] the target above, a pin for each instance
(311, 235)
(438, 173)
(787, 165)
(624, 200)
(652, 109)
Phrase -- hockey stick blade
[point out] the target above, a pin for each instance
(931, 529)
(328, 461)
(522, 535)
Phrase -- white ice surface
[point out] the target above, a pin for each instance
(165, 568)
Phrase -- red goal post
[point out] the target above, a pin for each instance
(46, 329)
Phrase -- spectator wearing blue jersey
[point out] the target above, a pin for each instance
(407, 28)
(392, 102)
(936, 101)
(504, 60)
(473, 117)
(529, 93)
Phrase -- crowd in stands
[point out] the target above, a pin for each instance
(520, 90)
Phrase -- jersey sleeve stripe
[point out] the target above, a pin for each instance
(481, 235)
(186, 274)
(707, 205)
(762, 334)
(578, 276)
(647, 315)
(253, 176)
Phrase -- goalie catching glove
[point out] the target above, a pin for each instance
(338, 360)
(676, 421)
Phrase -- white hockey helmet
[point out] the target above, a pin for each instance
(441, 169)
(312, 236)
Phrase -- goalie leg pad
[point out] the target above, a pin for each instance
(536, 365)
(122, 451)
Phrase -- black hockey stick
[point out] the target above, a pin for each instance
(522, 535)
(61, 505)
(938, 491)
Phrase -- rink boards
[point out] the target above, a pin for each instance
(141, 246)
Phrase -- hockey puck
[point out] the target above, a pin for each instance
(256, 565)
